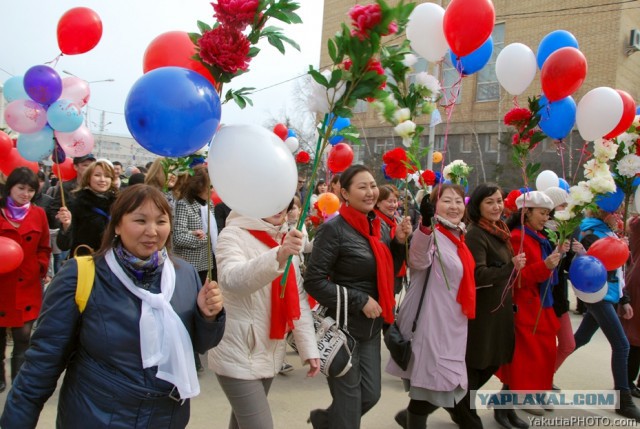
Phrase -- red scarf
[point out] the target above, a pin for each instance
(384, 261)
(392, 225)
(467, 290)
(283, 310)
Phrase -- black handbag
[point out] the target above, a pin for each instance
(400, 347)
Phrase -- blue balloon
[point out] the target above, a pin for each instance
(552, 42)
(587, 274)
(635, 182)
(335, 140)
(611, 201)
(557, 118)
(172, 111)
(13, 89)
(637, 110)
(36, 146)
(524, 190)
(474, 61)
(291, 133)
(340, 122)
(64, 116)
(563, 184)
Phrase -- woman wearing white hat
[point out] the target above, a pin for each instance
(534, 355)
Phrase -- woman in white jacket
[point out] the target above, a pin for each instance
(251, 255)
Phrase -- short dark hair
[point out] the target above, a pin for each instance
(195, 184)
(439, 189)
(136, 179)
(117, 163)
(19, 176)
(481, 192)
(347, 176)
(128, 200)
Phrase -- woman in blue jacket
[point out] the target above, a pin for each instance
(128, 356)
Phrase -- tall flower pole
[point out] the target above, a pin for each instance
(356, 75)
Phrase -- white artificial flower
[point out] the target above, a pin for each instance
(428, 81)
(322, 99)
(629, 141)
(580, 195)
(594, 168)
(629, 165)
(402, 115)
(604, 150)
(409, 60)
(406, 130)
(563, 215)
(202, 151)
(636, 121)
(455, 169)
(602, 184)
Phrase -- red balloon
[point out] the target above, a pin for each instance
(11, 255)
(611, 251)
(628, 115)
(215, 198)
(468, 24)
(340, 158)
(281, 131)
(174, 48)
(5, 142)
(14, 160)
(563, 73)
(79, 31)
(65, 171)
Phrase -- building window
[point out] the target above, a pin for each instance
(466, 143)
(439, 143)
(383, 144)
(488, 87)
(358, 153)
(451, 82)
(489, 142)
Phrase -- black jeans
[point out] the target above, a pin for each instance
(468, 416)
(603, 315)
(634, 365)
(354, 393)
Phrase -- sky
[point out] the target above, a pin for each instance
(28, 38)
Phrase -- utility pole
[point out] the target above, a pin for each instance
(102, 125)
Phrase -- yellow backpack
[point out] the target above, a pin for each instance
(86, 275)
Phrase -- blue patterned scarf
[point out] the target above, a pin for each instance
(545, 287)
(139, 267)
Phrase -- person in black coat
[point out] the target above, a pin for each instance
(115, 375)
(354, 252)
(86, 219)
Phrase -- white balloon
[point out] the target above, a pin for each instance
(591, 297)
(425, 31)
(547, 179)
(292, 143)
(516, 67)
(252, 170)
(598, 112)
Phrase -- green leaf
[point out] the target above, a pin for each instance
(203, 27)
(276, 43)
(291, 42)
(332, 50)
(253, 51)
(318, 77)
(194, 38)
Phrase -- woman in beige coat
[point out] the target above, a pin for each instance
(251, 255)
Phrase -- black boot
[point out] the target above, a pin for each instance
(16, 364)
(415, 421)
(627, 407)
(502, 417)
(516, 421)
(401, 418)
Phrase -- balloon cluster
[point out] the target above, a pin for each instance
(47, 110)
(588, 274)
(288, 136)
(464, 29)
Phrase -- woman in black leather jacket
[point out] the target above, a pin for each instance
(354, 251)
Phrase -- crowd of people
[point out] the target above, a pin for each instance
(126, 281)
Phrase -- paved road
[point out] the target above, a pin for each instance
(293, 395)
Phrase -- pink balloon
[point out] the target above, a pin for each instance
(75, 90)
(78, 143)
(25, 116)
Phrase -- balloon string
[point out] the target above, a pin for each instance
(582, 152)
(55, 149)
(54, 61)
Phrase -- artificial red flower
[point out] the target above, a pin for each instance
(510, 201)
(392, 29)
(518, 117)
(364, 18)
(225, 48)
(396, 163)
(315, 220)
(638, 147)
(235, 13)
(347, 64)
(303, 157)
(428, 178)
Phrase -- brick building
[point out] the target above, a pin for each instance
(476, 133)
